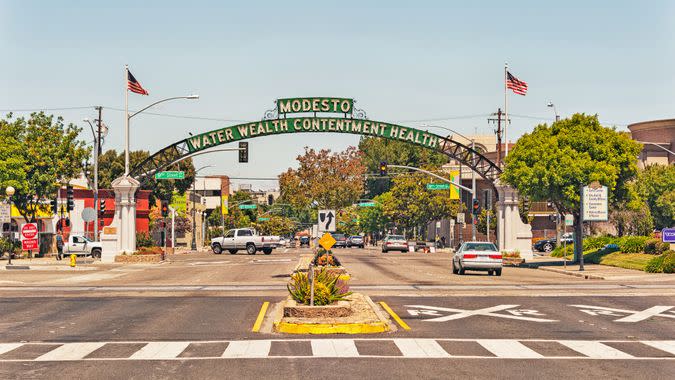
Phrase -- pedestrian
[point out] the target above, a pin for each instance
(59, 245)
(442, 241)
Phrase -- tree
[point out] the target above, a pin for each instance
(332, 180)
(481, 226)
(373, 219)
(111, 166)
(656, 185)
(37, 155)
(553, 163)
(377, 149)
(632, 221)
(277, 225)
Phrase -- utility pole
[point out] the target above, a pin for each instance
(498, 132)
(97, 153)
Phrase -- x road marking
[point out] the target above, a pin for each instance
(518, 314)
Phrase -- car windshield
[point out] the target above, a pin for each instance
(338, 236)
(395, 237)
(356, 237)
(480, 247)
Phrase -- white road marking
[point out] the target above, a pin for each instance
(663, 345)
(646, 314)
(511, 349)
(160, 350)
(248, 349)
(420, 348)
(334, 348)
(7, 347)
(488, 311)
(595, 350)
(633, 315)
(71, 351)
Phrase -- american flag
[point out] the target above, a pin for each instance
(517, 85)
(133, 85)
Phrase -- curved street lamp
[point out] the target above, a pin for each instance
(555, 111)
(10, 192)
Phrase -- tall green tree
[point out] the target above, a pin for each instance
(656, 185)
(555, 161)
(37, 156)
(377, 149)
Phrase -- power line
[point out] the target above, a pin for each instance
(182, 116)
(47, 109)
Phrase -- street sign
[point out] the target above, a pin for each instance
(248, 207)
(224, 204)
(594, 203)
(263, 219)
(569, 219)
(5, 214)
(367, 204)
(327, 241)
(327, 220)
(438, 186)
(88, 214)
(29, 236)
(170, 175)
(668, 235)
(460, 218)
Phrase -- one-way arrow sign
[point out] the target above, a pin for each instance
(327, 221)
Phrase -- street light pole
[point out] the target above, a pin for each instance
(128, 119)
(101, 129)
(555, 111)
(10, 192)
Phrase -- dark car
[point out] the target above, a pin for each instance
(304, 240)
(548, 245)
(340, 240)
(355, 241)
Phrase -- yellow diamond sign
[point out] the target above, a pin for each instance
(327, 241)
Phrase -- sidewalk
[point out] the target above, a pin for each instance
(594, 271)
(49, 263)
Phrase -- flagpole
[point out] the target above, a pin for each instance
(126, 120)
(506, 109)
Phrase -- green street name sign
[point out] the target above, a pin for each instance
(438, 186)
(248, 207)
(296, 105)
(170, 175)
(367, 204)
(263, 219)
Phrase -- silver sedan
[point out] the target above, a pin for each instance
(477, 255)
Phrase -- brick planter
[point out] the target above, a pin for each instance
(139, 258)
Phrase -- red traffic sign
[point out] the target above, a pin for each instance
(29, 231)
(29, 244)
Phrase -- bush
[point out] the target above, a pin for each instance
(664, 263)
(632, 244)
(597, 242)
(655, 247)
(149, 251)
(326, 288)
(558, 251)
(143, 239)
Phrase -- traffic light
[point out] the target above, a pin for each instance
(270, 199)
(70, 195)
(55, 206)
(475, 209)
(165, 209)
(102, 205)
(383, 168)
(526, 206)
(243, 152)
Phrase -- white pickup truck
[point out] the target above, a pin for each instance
(80, 245)
(244, 238)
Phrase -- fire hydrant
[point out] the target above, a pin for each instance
(73, 260)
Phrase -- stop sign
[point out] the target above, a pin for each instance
(29, 231)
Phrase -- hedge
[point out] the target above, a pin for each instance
(664, 263)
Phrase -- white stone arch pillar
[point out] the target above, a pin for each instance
(122, 234)
(512, 233)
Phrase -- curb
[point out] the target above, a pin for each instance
(338, 328)
(575, 274)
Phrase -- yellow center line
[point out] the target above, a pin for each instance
(261, 316)
(395, 316)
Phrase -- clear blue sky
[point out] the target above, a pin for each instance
(412, 60)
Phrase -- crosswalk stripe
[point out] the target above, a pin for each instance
(248, 349)
(7, 347)
(334, 348)
(663, 345)
(512, 349)
(595, 350)
(420, 348)
(71, 351)
(160, 350)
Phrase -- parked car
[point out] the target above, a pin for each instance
(340, 240)
(244, 238)
(282, 242)
(82, 246)
(355, 241)
(548, 245)
(477, 255)
(304, 240)
(394, 243)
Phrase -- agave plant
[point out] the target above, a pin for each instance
(326, 288)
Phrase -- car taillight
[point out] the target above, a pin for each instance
(470, 256)
(495, 256)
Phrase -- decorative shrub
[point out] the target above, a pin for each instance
(326, 288)
(324, 258)
(558, 251)
(149, 251)
(632, 244)
(597, 242)
(656, 247)
(664, 263)
(143, 239)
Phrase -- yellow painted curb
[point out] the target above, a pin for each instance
(261, 317)
(338, 328)
(395, 316)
